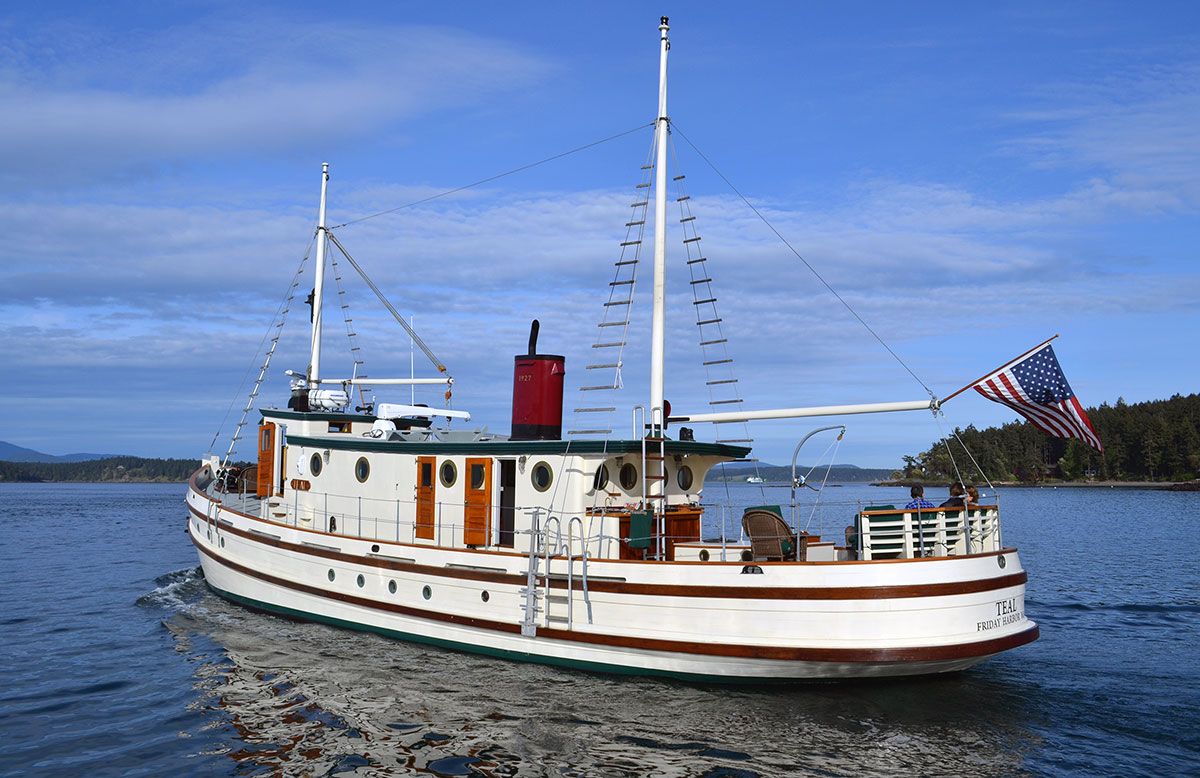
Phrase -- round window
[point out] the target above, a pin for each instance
(478, 476)
(361, 581)
(600, 480)
(629, 476)
(392, 587)
(542, 476)
(314, 464)
(448, 473)
(426, 592)
(362, 469)
(684, 478)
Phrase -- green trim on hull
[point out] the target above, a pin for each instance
(498, 653)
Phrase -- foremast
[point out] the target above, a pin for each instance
(314, 363)
(658, 326)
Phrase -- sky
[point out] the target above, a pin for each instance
(970, 179)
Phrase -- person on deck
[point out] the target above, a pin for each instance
(956, 496)
(918, 499)
(972, 495)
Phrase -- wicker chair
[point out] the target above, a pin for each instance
(771, 539)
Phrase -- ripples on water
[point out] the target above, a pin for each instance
(118, 662)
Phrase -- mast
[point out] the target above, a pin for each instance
(314, 364)
(658, 327)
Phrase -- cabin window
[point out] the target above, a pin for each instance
(426, 474)
(362, 469)
(542, 476)
(477, 476)
(628, 476)
(600, 480)
(339, 426)
(448, 473)
(684, 478)
(314, 464)
(264, 443)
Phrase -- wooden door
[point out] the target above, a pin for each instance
(426, 497)
(477, 516)
(266, 460)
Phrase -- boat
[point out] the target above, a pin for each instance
(754, 479)
(585, 548)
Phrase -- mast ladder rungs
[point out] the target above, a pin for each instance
(703, 302)
(713, 342)
(639, 205)
(594, 410)
(647, 167)
(635, 224)
(631, 243)
(655, 478)
(679, 178)
(708, 321)
(620, 283)
(626, 262)
(598, 367)
(724, 381)
(596, 388)
(617, 302)
(691, 240)
(607, 345)
(687, 219)
(612, 324)
(701, 281)
(681, 199)
(724, 402)
(698, 259)
(642, 186)
(589, 432)
(717, 361)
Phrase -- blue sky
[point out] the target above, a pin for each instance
(971, 179)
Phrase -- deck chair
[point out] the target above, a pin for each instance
(771, 539)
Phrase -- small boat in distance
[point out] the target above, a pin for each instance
(754, 479)
(586, 549)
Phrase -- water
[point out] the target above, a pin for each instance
(115, 659)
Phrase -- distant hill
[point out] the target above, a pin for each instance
(128, 469)
(783, 473)
(10, 452)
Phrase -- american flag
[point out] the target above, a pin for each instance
(1035, 387)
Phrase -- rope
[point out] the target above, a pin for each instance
(805, 261)
(493, 178)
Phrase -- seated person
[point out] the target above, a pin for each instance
(956, 496)
(972, 495)
(918, 499)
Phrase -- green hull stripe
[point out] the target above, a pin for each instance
(500, 653)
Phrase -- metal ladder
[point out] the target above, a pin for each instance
(654, 472)
(537, 591)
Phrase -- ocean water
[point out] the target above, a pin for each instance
(116, 660)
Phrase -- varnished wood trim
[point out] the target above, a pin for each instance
(785, 653)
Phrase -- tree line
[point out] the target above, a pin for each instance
(95, 470)
(1157, 440)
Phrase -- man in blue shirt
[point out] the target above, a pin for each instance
(918, 499)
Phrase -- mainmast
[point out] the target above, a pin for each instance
(658, 327)
(314, 364)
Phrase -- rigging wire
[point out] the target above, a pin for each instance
(813, 270)
(493, 178)
(284, 307)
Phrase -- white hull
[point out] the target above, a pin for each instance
(807, 620)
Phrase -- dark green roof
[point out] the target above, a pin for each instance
(517, 447)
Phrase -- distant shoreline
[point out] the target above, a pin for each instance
(1171, 486)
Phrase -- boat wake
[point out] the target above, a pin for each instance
(177, 590)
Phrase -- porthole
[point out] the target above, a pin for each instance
(222, 542)
(1001, 561)
(704, 555)
(485, 596)
(600, 480)
(477, 476)
(747, 556)
(361, 581)
(684, 478)
(362, 469)
(314, 464)
(628, 476)
(332, 575)
(375, 548)
(427, 592)
(541, 476)
(392, 587)
(448, 473)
